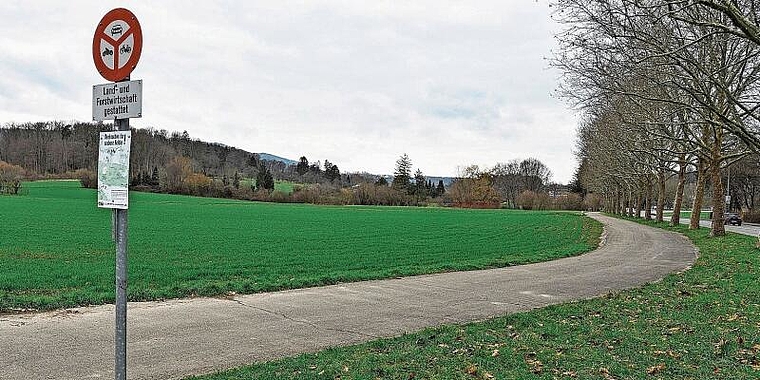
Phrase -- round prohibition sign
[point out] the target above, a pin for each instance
(117, 44)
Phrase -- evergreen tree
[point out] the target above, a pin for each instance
(419, 184)
(154, 177)
(253, 161)
(236, 180)
(441, 189)
(137, 180)
(331, 171)
(381, 182)
(402, 174)
(264, 179)
(303, 166)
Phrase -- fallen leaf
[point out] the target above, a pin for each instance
(653, 370)
(471, 370)
(536, 365)
(495, 353)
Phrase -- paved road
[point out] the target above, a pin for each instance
(744, 229)
(169, 340)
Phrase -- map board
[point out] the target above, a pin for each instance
(113, 169)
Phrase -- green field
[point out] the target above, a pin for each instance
(281, 186)
(55, 247)
(700, 324)
(704, 215)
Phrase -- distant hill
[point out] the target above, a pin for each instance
(272, 157)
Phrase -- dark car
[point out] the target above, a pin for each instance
(732, 219)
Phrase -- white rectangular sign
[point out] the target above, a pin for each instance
(119, 100)
(113, 169)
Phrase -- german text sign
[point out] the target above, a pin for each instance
(117, 44)
(113, 169)
(120, 100)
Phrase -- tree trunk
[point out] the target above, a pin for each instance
(718, 229)
(676, 218)
(619, 202)
(638, 204)
(648, 202)
(699, 193)
(660, 195)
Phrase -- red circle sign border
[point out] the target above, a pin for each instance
(116, 74)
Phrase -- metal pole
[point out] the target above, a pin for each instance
(728, 189)
(121, 295)
(113, 225)
(121, 282)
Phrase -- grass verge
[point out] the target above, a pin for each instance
(56, 249)
(700, 324)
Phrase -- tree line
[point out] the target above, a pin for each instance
(159, 160)
(668, 89)
(175, 163)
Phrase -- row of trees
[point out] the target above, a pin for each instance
(667, 88)
(313, 173)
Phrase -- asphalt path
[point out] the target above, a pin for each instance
(177, 338)
(744, 229)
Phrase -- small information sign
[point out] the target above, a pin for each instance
(113, 169)
(120, 100)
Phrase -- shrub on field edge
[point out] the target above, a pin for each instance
(530, 200)
(87, 178)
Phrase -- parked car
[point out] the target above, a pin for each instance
(731, 218)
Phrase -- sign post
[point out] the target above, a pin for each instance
(116, 49)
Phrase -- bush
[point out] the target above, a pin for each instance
(279, 197)
(751, 216)
(198, 184)
(87, 178)
(474, 193)
(571, 201)
(530, 200)
(592, 202)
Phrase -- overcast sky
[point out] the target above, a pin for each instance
(355, 82)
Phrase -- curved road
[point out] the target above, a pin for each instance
(182, 337)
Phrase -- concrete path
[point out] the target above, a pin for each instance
(173, 339)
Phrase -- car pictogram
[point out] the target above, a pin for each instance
(116, 29)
